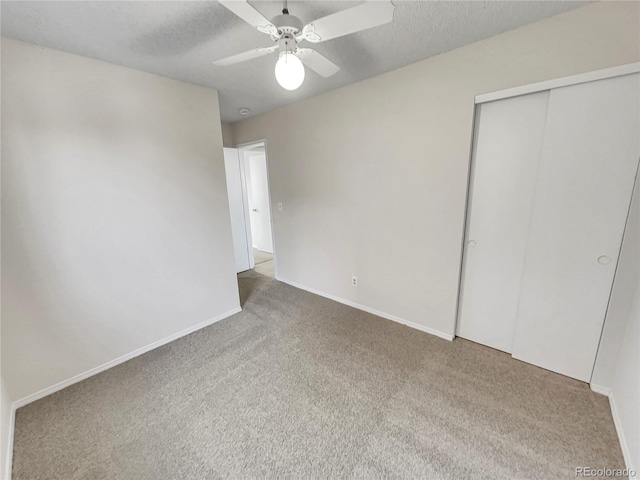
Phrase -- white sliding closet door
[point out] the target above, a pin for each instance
(238, 208)
(508, 141)
(586, 175)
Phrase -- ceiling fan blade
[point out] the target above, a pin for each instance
(317, 62)
(352, 20)
(250, 15)
(243, 57)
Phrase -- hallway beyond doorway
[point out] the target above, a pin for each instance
(263, 263)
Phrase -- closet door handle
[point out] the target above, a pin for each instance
(471, 243)
(604, 260)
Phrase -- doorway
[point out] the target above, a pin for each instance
(250, 207)
(255, 163)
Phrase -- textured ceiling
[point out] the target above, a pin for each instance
(180, 39)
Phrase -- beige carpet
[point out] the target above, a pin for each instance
(297, 385)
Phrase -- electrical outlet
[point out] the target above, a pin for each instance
(279, 206)
(354, 281)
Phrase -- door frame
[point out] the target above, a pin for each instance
(592, 76)
(248, 146)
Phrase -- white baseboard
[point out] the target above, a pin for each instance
(600, 389)
(616, 421)
(373, 311)
(623, 441)
(112, 363)
(9, 452)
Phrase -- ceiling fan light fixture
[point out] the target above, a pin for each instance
(289, 71)
(287, 31)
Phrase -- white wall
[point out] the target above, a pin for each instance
(617, 366)
(621, 302)
(115, 220)
(625, 390)
(373, 183)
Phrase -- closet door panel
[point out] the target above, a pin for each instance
(507, 146)
(587, 170)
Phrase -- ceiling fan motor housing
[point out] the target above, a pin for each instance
(287, 24)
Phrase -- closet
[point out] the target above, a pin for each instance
(551, 183)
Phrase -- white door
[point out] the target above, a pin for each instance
(587, 169)
(508, 142)
(238, 208)
(259, 201)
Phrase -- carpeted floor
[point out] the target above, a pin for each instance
(298, 385)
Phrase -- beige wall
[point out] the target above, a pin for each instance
(115, 221)
(373, 181)
(227, 135)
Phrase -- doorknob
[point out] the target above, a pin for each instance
(471, 243)
(254, 209)
(604, 260)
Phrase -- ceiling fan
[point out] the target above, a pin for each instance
(286, 31)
